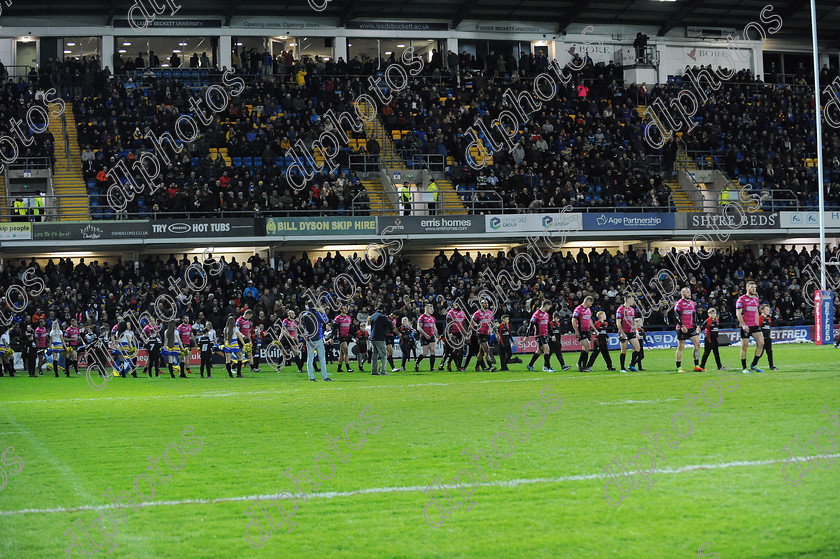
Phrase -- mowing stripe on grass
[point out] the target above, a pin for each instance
(408, 489)
(257, 392)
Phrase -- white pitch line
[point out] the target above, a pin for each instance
(637, 402)
(404, 489)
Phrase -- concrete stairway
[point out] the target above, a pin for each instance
(67, 173)
(374, 192)
(682, 201)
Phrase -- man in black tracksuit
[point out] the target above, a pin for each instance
(505, 349)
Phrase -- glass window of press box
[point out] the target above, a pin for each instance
(166, 53)
(250, 52)
(376, 51)
(81, 48)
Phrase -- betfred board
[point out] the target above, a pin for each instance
(823, 317)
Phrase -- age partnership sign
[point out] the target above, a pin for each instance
(620, 221)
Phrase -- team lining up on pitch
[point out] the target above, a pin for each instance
(314, 333)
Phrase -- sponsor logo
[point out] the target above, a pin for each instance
(91, 232)
(179, 228)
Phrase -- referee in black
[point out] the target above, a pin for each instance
(555, 332)
(603, 340)
(153, 347)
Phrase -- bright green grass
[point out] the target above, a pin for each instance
(76, 443)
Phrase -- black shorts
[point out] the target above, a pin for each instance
(745, 334)
(584, 335)
(344, 340)
(389, 340)
(629, 335)
(542, 340)
(682, 336)
(484, 338)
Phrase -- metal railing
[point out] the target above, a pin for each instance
(66, 138)
(414, 159)
(365, 163)
(29, 164)
(475, 201)
(776, 203)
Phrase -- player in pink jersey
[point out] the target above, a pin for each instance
(41, 333)
(582, 324)
(685, 313)
(539, 326)
(746, 310)
(482, 321)
(453, 336)
(427, 328)
(290, 327)
(187, 341)
(342, 323)
(71, 336)
(625, 319)
(246, 329)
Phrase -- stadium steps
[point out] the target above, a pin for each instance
(68, 183)
(452, 203)
(374, 191)
(5, 215)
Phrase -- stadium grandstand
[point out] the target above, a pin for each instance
(481, 201)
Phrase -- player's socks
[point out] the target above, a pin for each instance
(339, 366)
(391, 362)
(432, 361)
(172, 370)
(679, 364)
(547, 359)
(239, 369)
(227, 366)
(754, 362)
(583, 359)
(623, 358)
(743, 363)
(533, 359)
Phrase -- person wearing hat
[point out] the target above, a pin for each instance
(433, 190)
(405, 198)
(19, 212)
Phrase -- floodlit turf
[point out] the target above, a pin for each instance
(76, 443)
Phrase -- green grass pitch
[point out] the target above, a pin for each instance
(722, 486)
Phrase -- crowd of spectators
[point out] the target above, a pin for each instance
(97, 292)
(586, 147)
